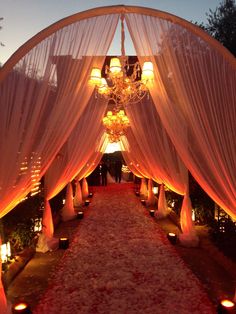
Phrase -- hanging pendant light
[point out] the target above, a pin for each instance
(118, 86)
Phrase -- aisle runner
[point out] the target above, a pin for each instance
(121, 263)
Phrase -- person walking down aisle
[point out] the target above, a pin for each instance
(118, 167)
(104, 170)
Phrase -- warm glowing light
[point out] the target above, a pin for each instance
(155, 190)
(125, 169)
(143, 202)
(147, 72)
(115, 124)
(95, 77)
(80, 215)
(152, 212)
(87, 202)
(115, 66)
(20, 306)
(172, 237)
(103, 88)
(126, 85)
(5, 252)
(38, 225)
(63, 243)
(112, 147)
(8, 249)
(227, 303)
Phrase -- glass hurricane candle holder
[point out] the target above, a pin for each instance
(87, 202)
(21, 308)
(80, 215)
(172, 237)
(152, 212)
(63, 243)
(226, 306)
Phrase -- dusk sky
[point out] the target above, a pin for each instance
(25, 18)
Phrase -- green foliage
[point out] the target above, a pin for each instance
(22, 236)
(221, 24)
(18, 225)
(223, 234)
(201, 203)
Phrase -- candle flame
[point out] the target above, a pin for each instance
(227, 303)
(20, 306)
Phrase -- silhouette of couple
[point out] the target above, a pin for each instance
(118, 171)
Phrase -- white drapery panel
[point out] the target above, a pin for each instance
(78, 200)
(133, 155)
(90, 166)
(194, 93)
(161, 156)
(68, 212)
(42, 99)
(143, 188)
(81, 152)
(85, 189)
(151, 200)
(163, 209)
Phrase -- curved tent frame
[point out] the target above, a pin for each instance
(107, 11)
(119, 9)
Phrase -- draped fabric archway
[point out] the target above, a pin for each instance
(37, 111)
(44, 91)
(194, 94)
(161, 157)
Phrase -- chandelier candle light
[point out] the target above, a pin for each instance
(118, 87)
(115, 124)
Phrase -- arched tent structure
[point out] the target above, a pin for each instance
(50, 120)
(45, 94)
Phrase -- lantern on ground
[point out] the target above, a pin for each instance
(63, 243)
(172, 237)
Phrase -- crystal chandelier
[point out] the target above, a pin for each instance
(120, 88)
(115, 124)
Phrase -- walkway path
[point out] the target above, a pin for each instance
(121, 262)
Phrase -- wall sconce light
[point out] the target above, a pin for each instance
(86, 203)
(152, 212)
(226, 306)
(90, 195)
(172, 237)
(155, 190)
(137, 193)
(21, 308)
(38, 225)
(143, 202)
(63, 201)
(63, 243)
(80, 215)
(5, 252)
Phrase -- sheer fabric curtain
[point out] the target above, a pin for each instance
(156, 146)
(39, 107)
(81, 150)
(133, 155)
(194, 94)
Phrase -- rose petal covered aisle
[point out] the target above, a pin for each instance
(121, 262)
